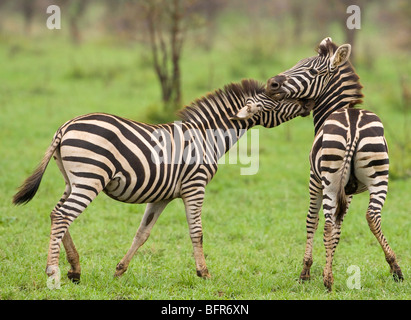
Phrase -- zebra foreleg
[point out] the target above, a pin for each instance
(311, 226)
(193, 201)
(151, 214)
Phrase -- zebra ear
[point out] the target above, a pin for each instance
(340, 56)
(246, 112)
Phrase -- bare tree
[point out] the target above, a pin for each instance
(162, 25)
(2, 4)
(168, 22)
(76, 10)
(28, 10)
(166, 35)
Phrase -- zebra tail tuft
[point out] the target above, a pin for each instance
(341, 204)
(346, 170)
(30, 186)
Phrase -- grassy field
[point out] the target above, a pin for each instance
(254, 226)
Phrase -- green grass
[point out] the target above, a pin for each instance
(254, 226)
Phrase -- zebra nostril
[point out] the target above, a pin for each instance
(275, 83)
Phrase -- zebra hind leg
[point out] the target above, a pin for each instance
(61, 219)
(71, 252)
(151, 214)
(311, 226)
(332, 232)
(377, 198)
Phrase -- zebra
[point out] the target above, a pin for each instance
(135, 162)
(349, 154)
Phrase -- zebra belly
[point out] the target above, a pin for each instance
(152, 189)
(158, 182)
(140, 199)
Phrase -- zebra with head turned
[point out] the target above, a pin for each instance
(349, 154)
(135, 162)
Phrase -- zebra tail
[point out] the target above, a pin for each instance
(341, 207)
(30, 186)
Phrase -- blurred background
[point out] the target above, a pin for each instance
(145, 59)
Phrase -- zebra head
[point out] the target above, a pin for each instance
(270, 113)
(310, 76)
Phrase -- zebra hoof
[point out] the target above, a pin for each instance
(74, 277)
(203, 274)
(120, 269)
(328, 282)
(397, 275)
(305, 275)
(52, 270)
(395, 270)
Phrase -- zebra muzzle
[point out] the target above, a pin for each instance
(246, 112)
(307, 105)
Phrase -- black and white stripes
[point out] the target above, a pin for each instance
(135, 162)
(349, 153)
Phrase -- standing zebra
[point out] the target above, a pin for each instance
(135, 162)
(349, 154)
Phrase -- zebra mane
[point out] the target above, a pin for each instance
(327, 48)
(218, 99)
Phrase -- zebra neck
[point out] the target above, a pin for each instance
(219, 138)
(213, 113)
(324, 109)
(342, 92)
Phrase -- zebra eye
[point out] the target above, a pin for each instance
(312, 71)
